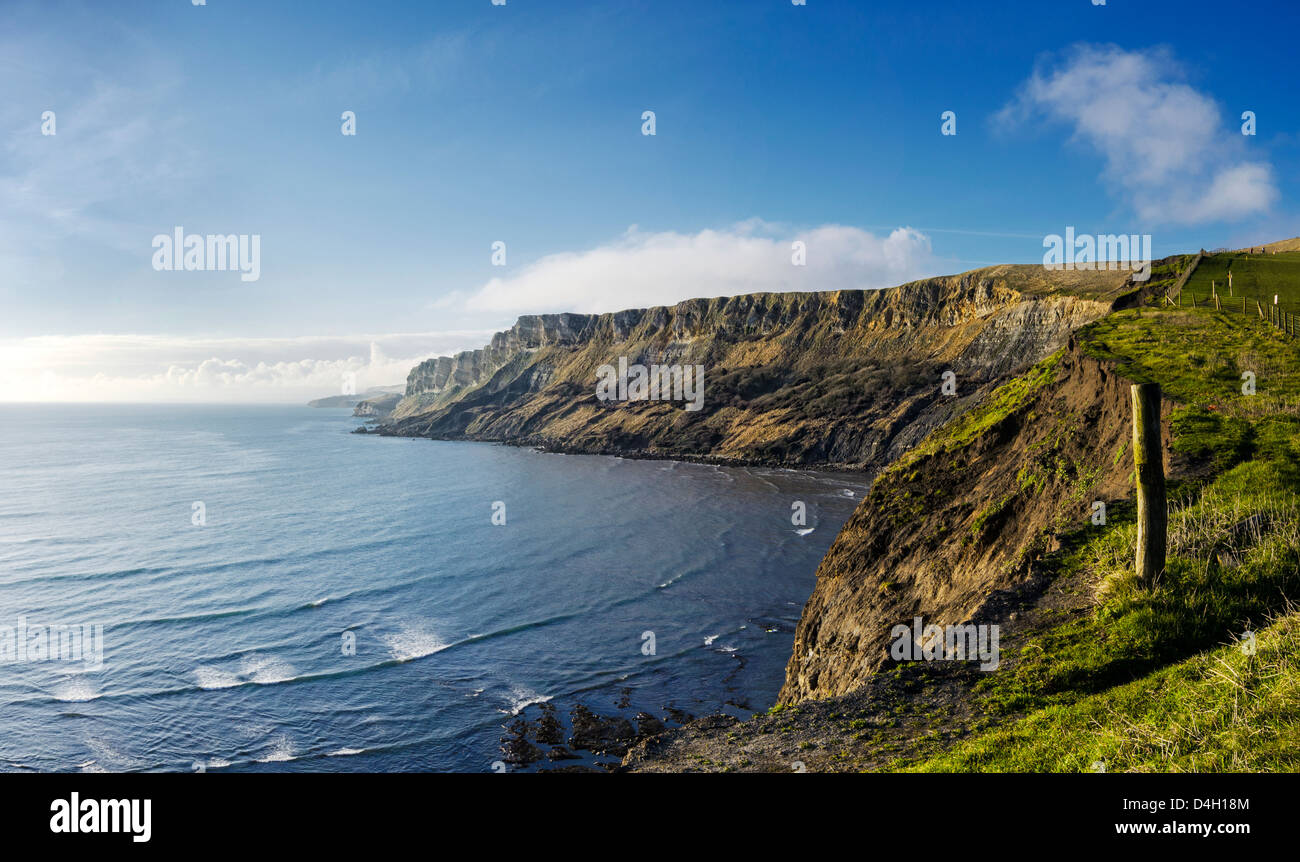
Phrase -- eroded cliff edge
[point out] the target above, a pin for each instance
(845, 379)
(966, 527)
(957, 529)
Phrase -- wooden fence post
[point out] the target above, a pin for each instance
(1152, 507)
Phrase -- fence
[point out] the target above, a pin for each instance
(1281, 316)
(1176, 292)
(1283, 320)
(1287, 321)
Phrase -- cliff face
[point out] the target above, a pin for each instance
(953, 531)
(472, 367)
(379, 406)
(846, 378)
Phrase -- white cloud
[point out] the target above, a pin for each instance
(646, 269)
(638, 270)
(175, 369)
(1166, 146)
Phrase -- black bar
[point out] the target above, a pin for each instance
(328, 812)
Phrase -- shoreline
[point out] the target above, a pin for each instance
(638, 454)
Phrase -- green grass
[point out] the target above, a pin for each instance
(1252, 446)
(1234, 558)
(1138, 681)
(968, 427)
(1198, 356)
(1221, 710)
(1256, 277)
(989, 513)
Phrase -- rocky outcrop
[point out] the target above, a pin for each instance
(379, 407)
(845, 378)
(470, 367)
(372, 394)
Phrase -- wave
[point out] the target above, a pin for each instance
(210, 678)
(195, 617)
(682, 574)
(91, 576)
(76, 690)
(224, 566)
(281, 751)
(252, 669)
(272, 612)
(107, 758)
(412, 643)
(266, 671)
(522, 698)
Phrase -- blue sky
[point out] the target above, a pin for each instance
(522, 124)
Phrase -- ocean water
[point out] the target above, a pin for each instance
(349, 604)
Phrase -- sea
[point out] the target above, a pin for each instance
(255, 588)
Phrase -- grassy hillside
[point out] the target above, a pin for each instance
(1139, 680)
(1254, 276)
(1220, 710)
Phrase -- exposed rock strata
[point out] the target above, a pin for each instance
(845, 378)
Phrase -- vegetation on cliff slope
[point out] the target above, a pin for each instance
(1223, 709)
(1138, 681)
(966, 521)
(1095, 667)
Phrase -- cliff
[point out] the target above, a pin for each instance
(964, 528)
(845, 379)
(373, 394)
(379, 406)
(990, 520)
(959, 526)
